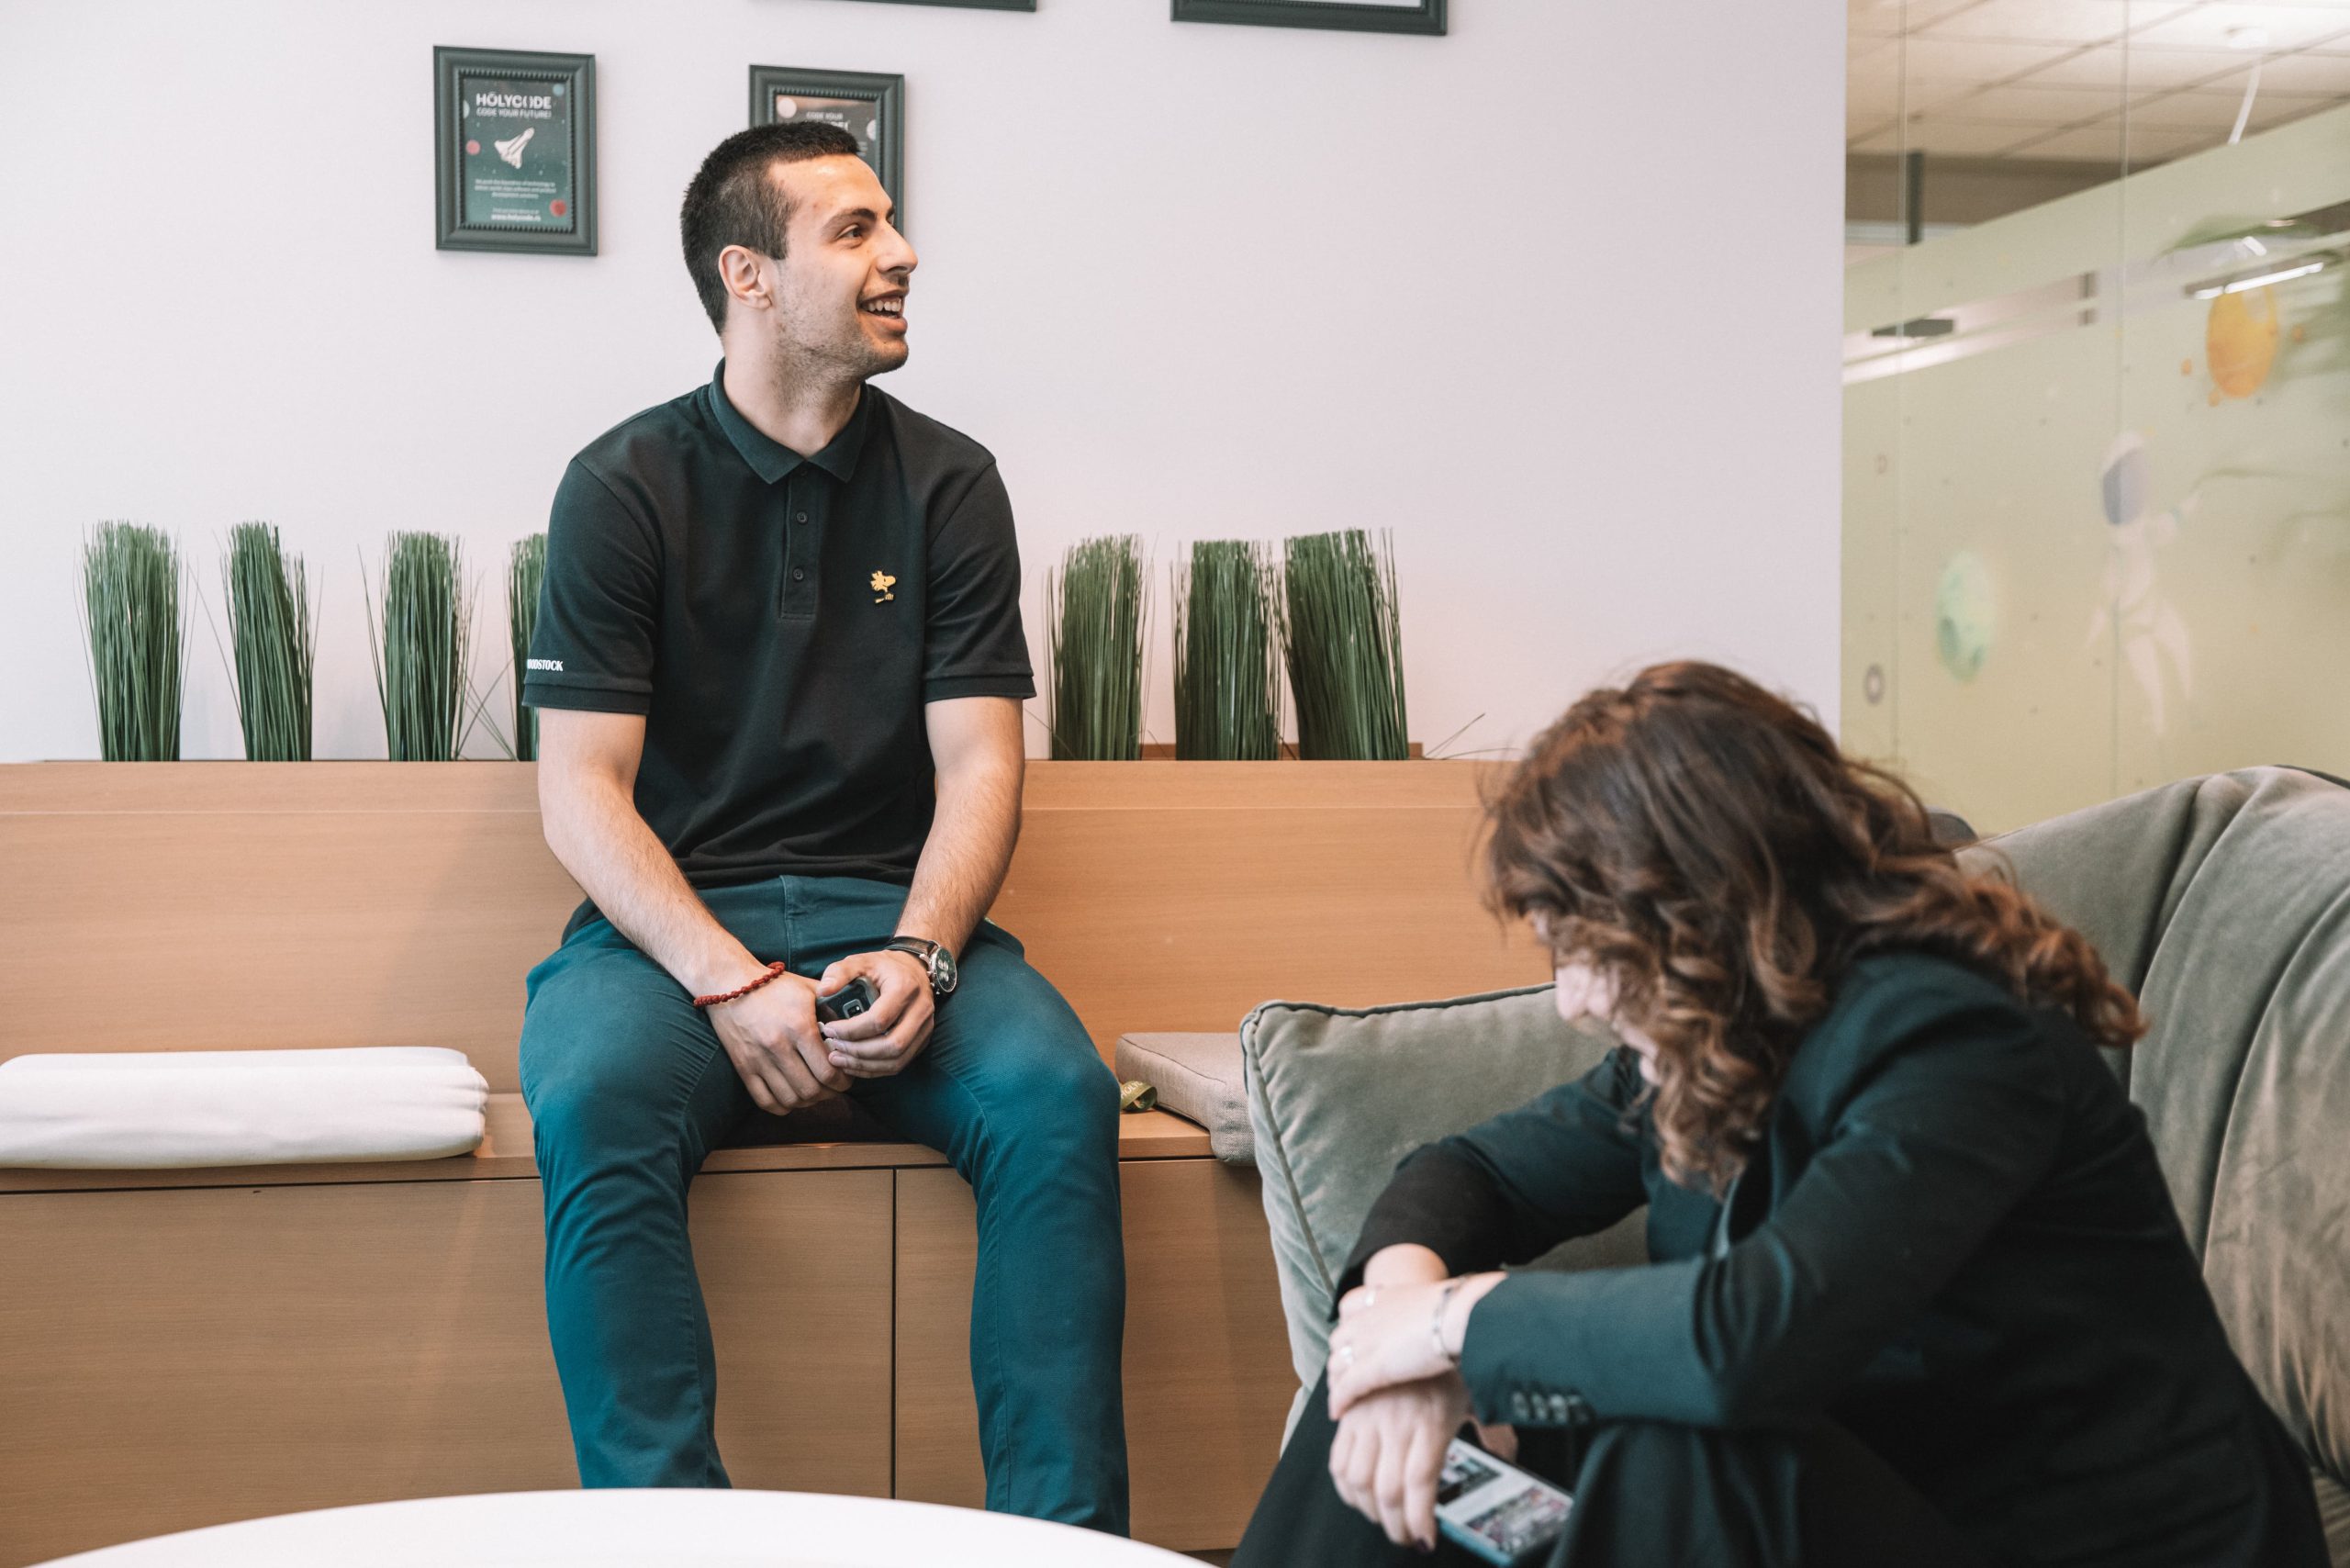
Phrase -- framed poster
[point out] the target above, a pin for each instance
(1353, 15)
(868, 106)
(514, 150)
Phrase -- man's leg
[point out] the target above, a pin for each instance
(628, 1089)
(1012, 1090)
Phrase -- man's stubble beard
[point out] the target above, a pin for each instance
(849, 358)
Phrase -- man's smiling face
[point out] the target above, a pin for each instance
(840, 288)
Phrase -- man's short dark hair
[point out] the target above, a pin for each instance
(733, 201)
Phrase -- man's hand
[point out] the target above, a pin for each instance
(1389, 1452)
(881, 1041)
(772, 1039)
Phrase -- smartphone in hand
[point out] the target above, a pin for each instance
(857, 996)
(1499, 1513)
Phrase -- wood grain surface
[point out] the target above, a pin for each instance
(175, 1359)
(232, 905)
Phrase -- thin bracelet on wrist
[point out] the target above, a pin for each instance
(714, 998)
(1435, 1322)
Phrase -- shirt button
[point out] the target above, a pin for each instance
(801, 518)
(798, 573)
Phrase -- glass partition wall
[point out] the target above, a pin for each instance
(2097, 410)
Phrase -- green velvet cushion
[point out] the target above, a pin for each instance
(1339, 1095)
(2224, 903)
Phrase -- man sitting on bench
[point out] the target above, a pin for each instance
(778, 667)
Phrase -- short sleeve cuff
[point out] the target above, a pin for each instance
(539, 692)
(945, 688)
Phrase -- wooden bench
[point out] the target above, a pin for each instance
(183, 1348)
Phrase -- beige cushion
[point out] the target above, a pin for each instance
(1198, 1078)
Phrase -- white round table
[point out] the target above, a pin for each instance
(636, 1530)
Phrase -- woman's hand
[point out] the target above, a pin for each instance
(1389, 1452)
(1399, 1333)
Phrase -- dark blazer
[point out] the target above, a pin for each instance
(1954, 1240)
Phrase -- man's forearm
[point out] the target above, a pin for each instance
(596, 831)
(968, 850)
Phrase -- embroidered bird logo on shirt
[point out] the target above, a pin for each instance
(882, 583)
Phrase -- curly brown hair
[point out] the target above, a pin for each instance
(1704, 844)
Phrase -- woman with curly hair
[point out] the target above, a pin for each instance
(1918, 1294)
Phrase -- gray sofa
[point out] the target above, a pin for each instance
(2223, 902)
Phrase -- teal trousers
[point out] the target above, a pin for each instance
(629, 1089)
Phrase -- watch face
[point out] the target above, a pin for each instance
(942, 970)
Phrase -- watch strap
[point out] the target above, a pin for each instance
(923, 949)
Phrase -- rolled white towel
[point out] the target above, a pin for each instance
(139, 1109)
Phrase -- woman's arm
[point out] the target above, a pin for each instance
(1510, 1189)
(1960, 1117)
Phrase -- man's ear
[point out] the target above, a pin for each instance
(738, 268)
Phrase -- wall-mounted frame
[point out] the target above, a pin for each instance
(514, 150)
(869, 107)
(1351, 16)
(974, 4)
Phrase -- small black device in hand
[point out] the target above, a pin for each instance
(857, 996)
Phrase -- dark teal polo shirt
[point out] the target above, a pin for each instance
(781, 621)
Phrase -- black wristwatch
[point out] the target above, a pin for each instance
(934, 958)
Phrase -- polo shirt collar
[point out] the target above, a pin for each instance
(770, 458)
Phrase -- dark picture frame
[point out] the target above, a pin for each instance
(886, 94)
(479, 175)
(1426, 16)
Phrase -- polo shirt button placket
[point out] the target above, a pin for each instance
(798, 603)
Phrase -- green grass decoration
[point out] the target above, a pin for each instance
(1093, 638)
(131, 606)
(1340, 630)
(1227, 659)
(420, 647)
(526, 572)
(274, 640)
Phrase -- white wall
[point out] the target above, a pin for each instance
(1556, 299)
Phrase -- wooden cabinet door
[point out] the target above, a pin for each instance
(171, 1359)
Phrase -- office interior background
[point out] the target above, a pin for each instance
(1995, 406)
(1185, 281)
(2097, 365)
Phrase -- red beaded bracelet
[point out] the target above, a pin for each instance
(717, 997)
